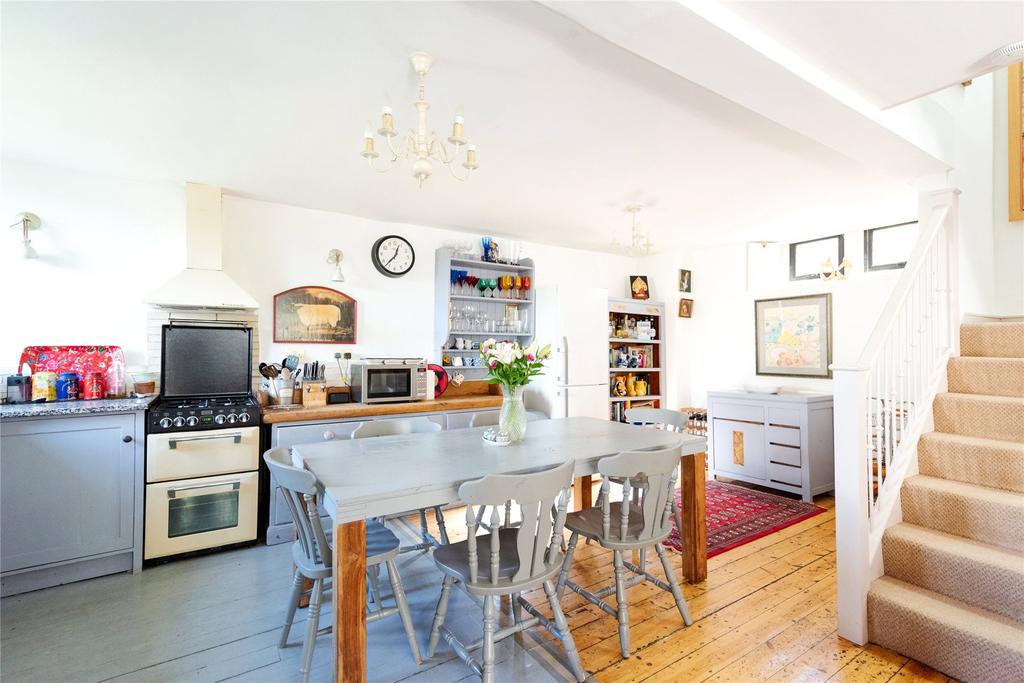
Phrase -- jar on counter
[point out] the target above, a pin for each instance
(44, 386)
(67, 386)
(93, 386)
(19, 389)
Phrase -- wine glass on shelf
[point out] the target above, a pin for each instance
(471, 281)
(493, 285)
(454, 275)
(482, 286)
(526, 287)
(517, 287)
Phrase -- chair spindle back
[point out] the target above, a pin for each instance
(651, 473)
(300, 491)
(543, 499)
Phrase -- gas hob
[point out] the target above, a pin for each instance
(193, 414)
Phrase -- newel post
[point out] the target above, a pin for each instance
(853, 573)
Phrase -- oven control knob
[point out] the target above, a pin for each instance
(219, 419)
(191, 420)
(165, 423)
(232, 418)
(179, 421)
(243, 417)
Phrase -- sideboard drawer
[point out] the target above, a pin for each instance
(786, 455)
(739, 448)
(785, 474)
(784, 435)
(784, 417)
(738, 411)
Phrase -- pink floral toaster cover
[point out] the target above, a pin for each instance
(80, 359)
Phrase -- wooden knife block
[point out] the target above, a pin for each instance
(314, 394)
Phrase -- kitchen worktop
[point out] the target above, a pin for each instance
(343, 411)
(13, 411)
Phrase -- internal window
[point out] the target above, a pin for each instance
(806, 258)
(889, 246)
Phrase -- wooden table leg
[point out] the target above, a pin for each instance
(694, 533)
(582, 492)
(349, 596)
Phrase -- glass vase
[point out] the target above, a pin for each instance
(512, 419)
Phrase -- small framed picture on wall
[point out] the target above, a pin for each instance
(685, 308)
(685, 284)
(638, 287)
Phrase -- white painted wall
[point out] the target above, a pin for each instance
(105, 243)
(1008, 237)
(273, 247)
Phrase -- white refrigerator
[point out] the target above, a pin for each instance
(575, 322)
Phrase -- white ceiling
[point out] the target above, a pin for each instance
(270, 100)
(890, 51)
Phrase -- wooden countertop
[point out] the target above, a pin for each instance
(472, 395)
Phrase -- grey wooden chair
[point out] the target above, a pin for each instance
(416, 425)
(312, 556)
(510, 561)
(623, 527)
(665, 420)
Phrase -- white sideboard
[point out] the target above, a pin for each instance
(782, 441)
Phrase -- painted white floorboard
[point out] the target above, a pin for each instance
(218, 618)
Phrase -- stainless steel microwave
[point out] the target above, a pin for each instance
(392, 380)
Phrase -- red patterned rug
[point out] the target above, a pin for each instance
(737, 515)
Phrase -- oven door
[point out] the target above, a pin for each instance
(381, 384)
(193, 514)
(183, 455)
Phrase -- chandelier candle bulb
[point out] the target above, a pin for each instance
(470, 157)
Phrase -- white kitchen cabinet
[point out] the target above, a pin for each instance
(782, 441)
(70, 499)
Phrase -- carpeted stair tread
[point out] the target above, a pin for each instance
(972, 459)
(984, 514)
(990, 417)
(990, 376)
(978, 574)
(996, 340)
(959, 640)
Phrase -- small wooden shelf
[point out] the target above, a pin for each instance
(616, 371)
(488, 265)
(487, 299)
(623, 340)
(496, 335)
(621, 399)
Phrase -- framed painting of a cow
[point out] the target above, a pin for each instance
(314, 315)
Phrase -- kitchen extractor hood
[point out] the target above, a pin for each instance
(203, 283)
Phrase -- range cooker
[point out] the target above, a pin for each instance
(202, 442)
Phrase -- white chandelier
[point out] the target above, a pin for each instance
(639, 239)
(418, 143)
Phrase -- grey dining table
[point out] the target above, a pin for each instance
(366, 478)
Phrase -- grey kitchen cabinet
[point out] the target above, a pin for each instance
(783, 441)
(70, 498)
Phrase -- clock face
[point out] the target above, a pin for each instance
(393, 256)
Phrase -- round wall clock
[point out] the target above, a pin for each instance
(393, 256)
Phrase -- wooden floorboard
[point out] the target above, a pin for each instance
(765, 613)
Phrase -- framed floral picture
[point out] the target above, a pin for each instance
(793, 336)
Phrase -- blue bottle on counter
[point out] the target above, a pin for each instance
(67, 386)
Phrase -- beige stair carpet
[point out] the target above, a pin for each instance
(991, 376)
(979, 574)
(953, 591)
(990, 417)
(996, 340)
(972, 459)
(984, 514)
(966, 642)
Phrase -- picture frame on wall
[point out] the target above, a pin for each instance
(685, 308)
(638, 287)
(1015, 137)
(793, 336)
(685, 281)
(314, 315)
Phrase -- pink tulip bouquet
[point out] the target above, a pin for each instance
(510, 364)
